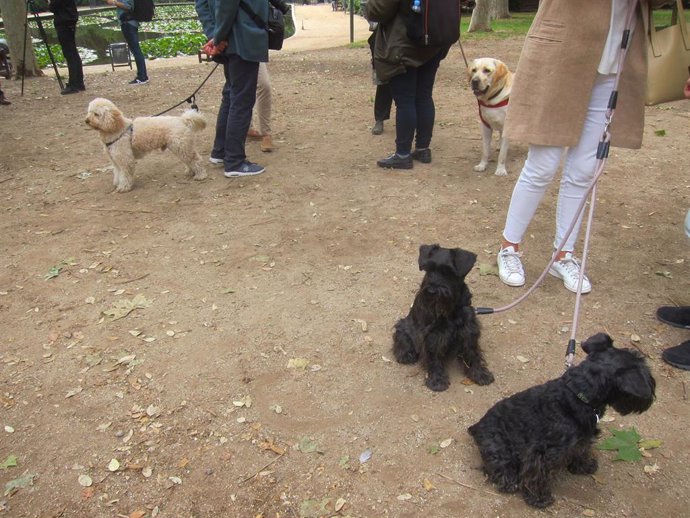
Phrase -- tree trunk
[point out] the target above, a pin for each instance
(499, 10)
(480, 17)
(14, 18)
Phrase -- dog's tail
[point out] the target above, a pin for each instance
(194, 120)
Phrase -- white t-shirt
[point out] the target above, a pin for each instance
(609, 58)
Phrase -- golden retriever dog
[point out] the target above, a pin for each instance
(127, 140)
(491, 82)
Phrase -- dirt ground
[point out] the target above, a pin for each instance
(257, 375)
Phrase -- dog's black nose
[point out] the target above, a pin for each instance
(475, 83)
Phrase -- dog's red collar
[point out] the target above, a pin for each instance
(504, 102)
(128, 129)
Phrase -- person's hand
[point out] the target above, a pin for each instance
(208, 47)
(686, 90)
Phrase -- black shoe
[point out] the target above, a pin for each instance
(422, 155)
(69, 90)
(396, 161)
(678, 356)
(676, 316)
(378, 128)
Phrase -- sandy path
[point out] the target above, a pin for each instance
(317, 27)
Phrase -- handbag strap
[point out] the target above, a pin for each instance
(677, 17)
(255, 17)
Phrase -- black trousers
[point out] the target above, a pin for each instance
(67, 38)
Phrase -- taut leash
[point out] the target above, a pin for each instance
(192, 98)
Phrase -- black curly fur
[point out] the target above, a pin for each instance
(441, 323)
(523, 439)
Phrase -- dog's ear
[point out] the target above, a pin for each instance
(635, 389)
(463, 261)
(428, 256)
(597, 343)
(500, 70)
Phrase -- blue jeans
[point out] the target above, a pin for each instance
(235, 113)
(131, 34)
(414, 106)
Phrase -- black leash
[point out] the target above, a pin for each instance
(192, 98)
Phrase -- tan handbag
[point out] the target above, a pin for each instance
(668, 58)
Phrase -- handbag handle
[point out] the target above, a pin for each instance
(678, 17)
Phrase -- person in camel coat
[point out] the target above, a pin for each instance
(563, 83)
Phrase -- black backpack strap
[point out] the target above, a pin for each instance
(253, 15)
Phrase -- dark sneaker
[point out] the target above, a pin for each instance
(245, 169)
(69, 90)
(137, 81)
(678, 356)
(674, 316)
(378, 128)
(4, 101)
(422, 155)
(396, 161)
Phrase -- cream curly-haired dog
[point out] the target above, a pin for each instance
(126, 140)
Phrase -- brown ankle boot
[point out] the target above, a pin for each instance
(253, 134)
(267, 144)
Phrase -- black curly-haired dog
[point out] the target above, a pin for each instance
(523, 439)
(441, 323)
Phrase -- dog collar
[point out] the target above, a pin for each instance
(584, 399)
(504, 102)
(128, 129)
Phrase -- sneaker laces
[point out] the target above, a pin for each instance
(570, 265)
(511, 261)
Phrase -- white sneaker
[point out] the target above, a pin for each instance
(215, 161)
(510, 269)
(568, 269)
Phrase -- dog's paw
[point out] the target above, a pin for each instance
(200, 175)
(501, 171)
(481, 376)
(123, 187)
(406, 357)
(437, 383)
(480, 167)
(586, 466)
(539, 501)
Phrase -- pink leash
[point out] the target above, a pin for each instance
(602, 156)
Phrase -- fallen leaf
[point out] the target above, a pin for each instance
(21, 482)
(244, 402)
(307, 445)
(124, 307)
(522, 359)
(634, 338)
(446, 443)
(588, 512)
(660, 133)
(9, 429)
(137, 514)
(9, 462)
(175, 480)
(404, 496)
(147, 472)
(649, 444)
(85, 480)
(339, 504)
(488, 269)
(113, 465)
(428, 485)
(73, 392)
(651, 470)
(297, 363)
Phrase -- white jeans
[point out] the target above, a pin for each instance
(579, 167)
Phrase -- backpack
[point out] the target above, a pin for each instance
(274, 27)
(436, 23)
(142, 10)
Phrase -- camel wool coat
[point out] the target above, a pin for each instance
(557, 70)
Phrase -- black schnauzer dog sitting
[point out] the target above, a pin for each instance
(523, 439)
(442, 322)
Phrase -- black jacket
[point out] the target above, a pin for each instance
(64, 11)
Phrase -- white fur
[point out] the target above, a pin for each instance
(147, 134)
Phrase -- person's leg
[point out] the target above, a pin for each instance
(580, 164)
(218, 151)
(382, 103)
(243, 76)
(67, 39)
(404, 90)
(131, 34)
(263, 107)
(424, 101)
(539, 169)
